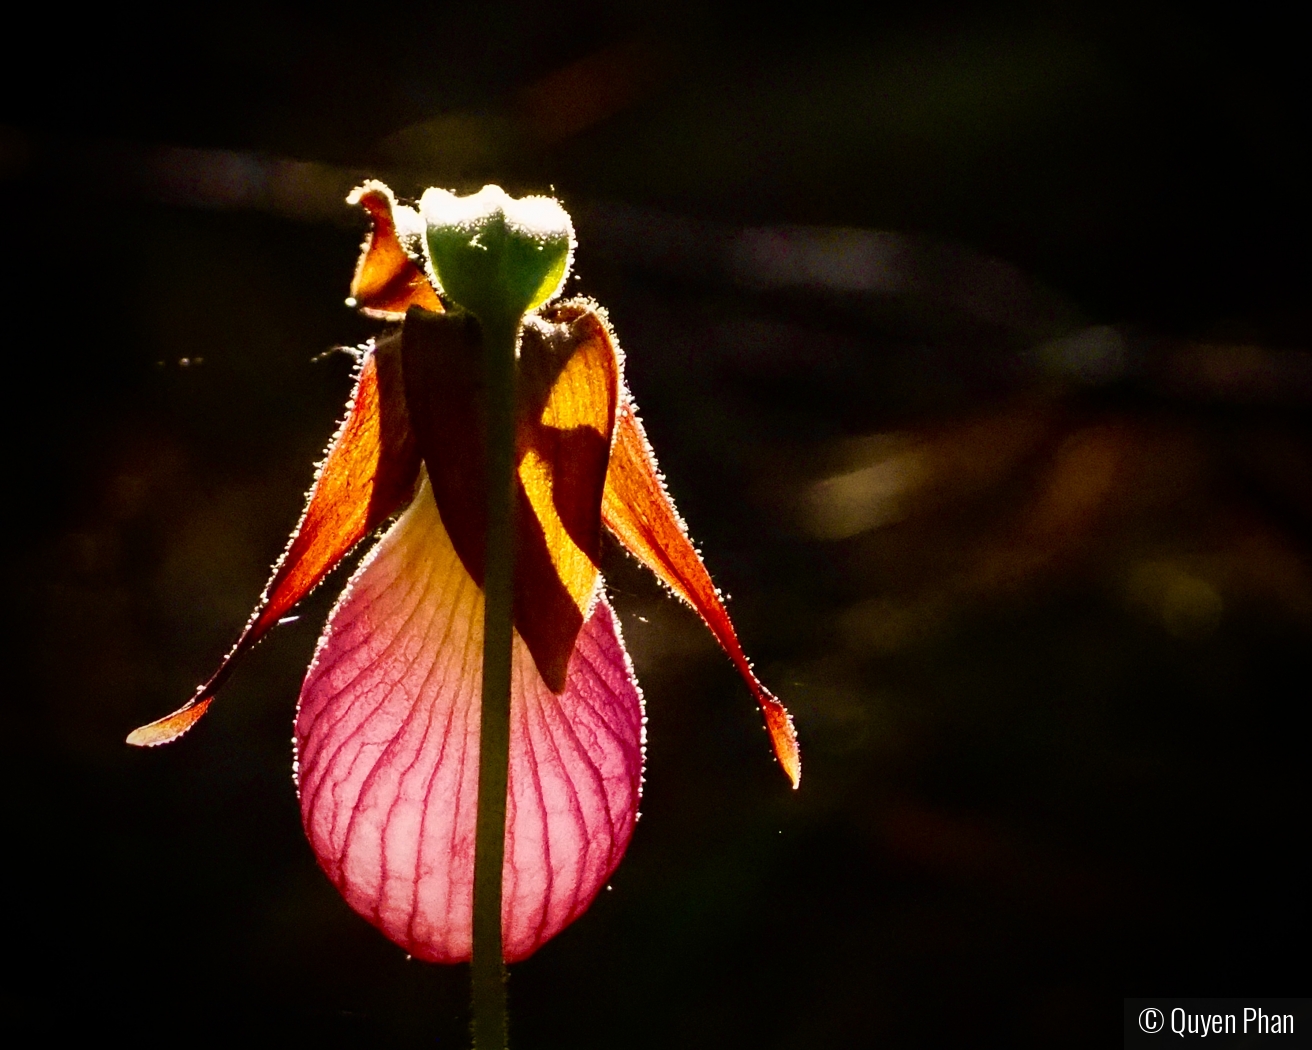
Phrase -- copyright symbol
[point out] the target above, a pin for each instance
(1151, 1019)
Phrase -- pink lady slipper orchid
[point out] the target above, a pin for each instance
(387, 727)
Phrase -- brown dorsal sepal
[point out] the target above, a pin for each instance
(566, 393)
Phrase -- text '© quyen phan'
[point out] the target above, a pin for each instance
(1255, 1021)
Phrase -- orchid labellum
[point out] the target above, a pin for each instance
(388, 724)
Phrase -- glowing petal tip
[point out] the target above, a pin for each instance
(167, 729)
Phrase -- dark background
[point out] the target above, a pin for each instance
(1014, 500)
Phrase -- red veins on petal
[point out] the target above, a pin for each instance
(368, 475)
(387, 735)
(637, 509)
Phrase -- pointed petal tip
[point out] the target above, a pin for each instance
(783, 737)
(167, 729)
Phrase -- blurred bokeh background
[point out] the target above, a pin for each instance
(974, 344)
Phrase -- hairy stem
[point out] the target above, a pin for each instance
(489, 974)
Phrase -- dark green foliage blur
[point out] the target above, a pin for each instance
(1027, 548)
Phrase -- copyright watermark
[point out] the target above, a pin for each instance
(1246, 1022)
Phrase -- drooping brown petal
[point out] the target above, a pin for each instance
(387, 280)
(637, 509)
(368, 475)
(566, 390)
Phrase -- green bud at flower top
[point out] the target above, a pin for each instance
(495, 255)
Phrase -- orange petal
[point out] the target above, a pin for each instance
(368, 475)
(566, 391)
(170, 727)
(637, 509)
(387, 280)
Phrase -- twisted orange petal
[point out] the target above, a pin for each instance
(387, 280)
(638, 510)
(368, 474)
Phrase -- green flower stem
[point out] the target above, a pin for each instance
(497, 257)
(489, 972)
